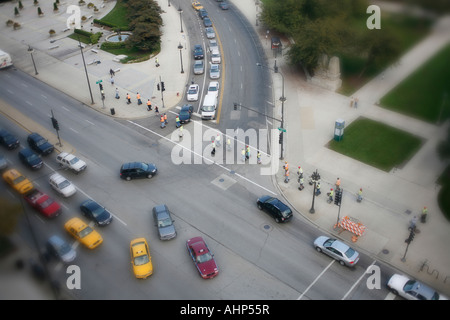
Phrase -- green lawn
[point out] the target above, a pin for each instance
(426, 93)
(376, 144)
(118, 16)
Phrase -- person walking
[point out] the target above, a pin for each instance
(157, 62)
(338, 184)
(128, 98)
(423, 217)
(117, 93)
(247, 152)
(218, 140)
(111, 80)
(177, 120)
(228, 144)
(286, 166)
(213, 148)
(352, 101)
(243, 155)
(356, 102)
(112, 73)
(412, 224)
(180, 132)
(138, 97)
(359, 198)
(156, 110)
(258, 157)
(165, 119)
(149, 105)
(163, 123)
(301, 186)
(330, 195)
(318, 192)
(300, 172)
(286, 176)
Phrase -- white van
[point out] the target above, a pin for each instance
(208, 109)
(5, 60)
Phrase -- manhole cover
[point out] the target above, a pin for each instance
(266, 227)
(385, 251)
(221, 180)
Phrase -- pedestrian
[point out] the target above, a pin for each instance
(412, 224)
(156, 62)
(163, 123)
(156, 110)
(128, 98)
(286, 176)
(117, 93)
(300, 172)
(423, 217)
(149, 105)
(180, 132)
(218, 140)
(247, 152)
(112, 80)
(301, 186)
(318, 192)
(338, 184)
(213, 146)
(352, 101)
(177, 120)
(228, 144)
(165, 119)
(286, 166)
(258, 157)
(359, 199)
(356, 102)
(330, 195)
(112, 73)
(243, 155)
(139, 102)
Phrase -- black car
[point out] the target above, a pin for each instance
(132, 170)
(207, 22)
(198, 52)
(8, 140)
(202, 13)
(39, 144)
(185, 113)
(92, 210)
(277, 209)
(30, 158)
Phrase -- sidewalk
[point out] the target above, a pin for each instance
(310, 113)
(390, 199)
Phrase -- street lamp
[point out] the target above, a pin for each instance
(315, 178)
(180, 47)
(31, 50)
(282, 99)
(181, 23)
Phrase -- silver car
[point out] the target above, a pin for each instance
(210, 34)
(214, 72)
(337, 250)
(199, 67)
(412, 289)
(164, 222)
(60, 249)
(213, 45)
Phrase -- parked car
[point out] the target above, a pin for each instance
(199, 67)
(192, 92)
(412, 289)
(207, 22)
(202, 13)
(95, 212)
(164, 222)
(210, 34)
(275, 208)
(223, 5)
(185, 113)
(61, 185)
(215, 56)
(133, 170)
(202, 257)
(70, 161)
(8, 140)
(43, 203)
(214, 72)
(198, 52)
(17, 181)
(140, 258)
(83, 233)
(213, 88)
(39, 144)
(197, 5)
(213, 45)
(29, 158)
(337, 250)
(60, 249)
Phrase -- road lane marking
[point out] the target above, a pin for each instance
(390, 296)
(315, 280)
(357, 282)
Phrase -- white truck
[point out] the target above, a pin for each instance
(71, 162)
(5, 60)
(208, 109)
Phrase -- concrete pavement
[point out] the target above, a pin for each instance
(391, 199)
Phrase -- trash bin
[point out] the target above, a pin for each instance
(339, 129)
(113, 112)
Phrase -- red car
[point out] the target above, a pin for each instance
(43, 203)
(203, 258)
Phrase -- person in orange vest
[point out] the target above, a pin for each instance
(165, 118)
(149, 105)
(139, 99)
(128, 98)
(286, 176)
(338, 184)
(163, 123)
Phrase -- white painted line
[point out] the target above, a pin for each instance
(90, 122)
(356, 283)
(390, 296)
(315, 280)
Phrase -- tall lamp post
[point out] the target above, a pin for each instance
(180, 47)
(181, 23)
(31, 50)
(315, 178)
(282, 99)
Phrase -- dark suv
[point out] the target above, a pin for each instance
(39, 144)
(198, 52)
(30, 159)
(274, 207)
(8, 140)
(132, 170)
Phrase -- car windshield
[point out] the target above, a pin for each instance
(33, 157)
(329, 242)
(65, 248)
(98, 211)
(212, 89)
(74, 160)
(286, 213)
(350, 252)
(83, 233)
(19, 180)
(63, 184)
(208, 108)
(46, 203)
(192, 91)
(141, 260)
(164, 222)
(204, 257)
(41, 142)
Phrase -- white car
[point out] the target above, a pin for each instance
(62, 185)
(192, 93)
(210, 34)
(199, 67)
(412, 289)
(71, 162)
(215, 56)
(214, 72)
(213, 88)
(213, 45)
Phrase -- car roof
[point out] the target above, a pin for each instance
(26, 151)
(339, 245)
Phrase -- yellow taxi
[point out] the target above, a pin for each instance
(140, 258)
(197, 5)
(18, 181)
(83, 233)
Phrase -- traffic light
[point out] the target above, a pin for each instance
(157, 86)
(55, 123)
(411, 237)
(163, 88)
(281, 138)
(338, 197)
